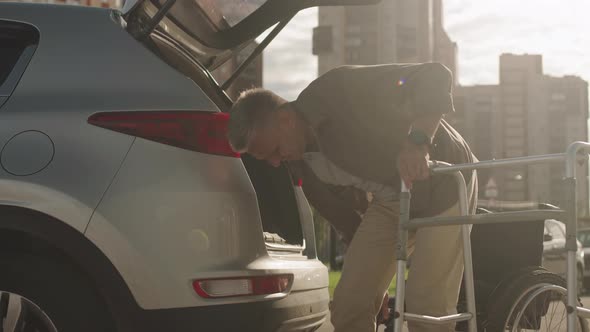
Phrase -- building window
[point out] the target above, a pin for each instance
(353, 29)
(322, 41)
(406, 41)
(557, 96)
(514, 122)
(352, 55)
(353, 42)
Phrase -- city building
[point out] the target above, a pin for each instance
(392, 31)
(445, 50)
(475, 110)
(527, 113)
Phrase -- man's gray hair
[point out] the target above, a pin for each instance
(250, 111)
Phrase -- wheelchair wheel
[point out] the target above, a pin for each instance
(535, 300)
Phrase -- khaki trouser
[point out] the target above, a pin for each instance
(369, 266)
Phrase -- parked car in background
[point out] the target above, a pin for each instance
(584, 238)
(122, 206)
(555, 255)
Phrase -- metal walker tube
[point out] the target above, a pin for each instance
(467, 258)
(402, 257)
(571, 230)
(570, 158)
(401, 249)
(466, 239)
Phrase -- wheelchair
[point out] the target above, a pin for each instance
(507, 269)
(504, 286)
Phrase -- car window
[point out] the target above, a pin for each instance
(8, 56)
(17, 42)
(227, 13)
(554, 230)
(584, 238)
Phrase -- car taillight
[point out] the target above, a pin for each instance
(197, 131)
(226, 287)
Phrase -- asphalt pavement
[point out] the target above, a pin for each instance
(327, 327)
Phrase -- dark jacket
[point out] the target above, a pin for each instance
(361, 115)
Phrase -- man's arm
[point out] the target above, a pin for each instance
(430, 88)
(338, 210)
(413, 158)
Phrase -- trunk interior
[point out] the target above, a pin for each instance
(277, 203)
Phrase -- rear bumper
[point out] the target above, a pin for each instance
(300, 311)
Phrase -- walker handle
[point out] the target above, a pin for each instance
(431, 165)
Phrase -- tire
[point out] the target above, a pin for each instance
(544, 309)
(61, 291)
(21, 314)
(509, 298)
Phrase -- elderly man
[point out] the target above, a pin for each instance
(367, 128)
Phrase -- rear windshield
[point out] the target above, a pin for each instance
(15, 39)
(224, 14)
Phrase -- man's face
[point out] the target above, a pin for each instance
(281, 139)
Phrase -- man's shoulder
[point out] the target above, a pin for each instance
(347, 69)
(360, 75)
(342, 76)
(332, 73)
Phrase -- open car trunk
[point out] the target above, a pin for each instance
(197, 36)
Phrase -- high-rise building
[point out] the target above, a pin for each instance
(392, 31)
(564, 105)
(528, 113)
(445, 50)
(475, 118)
(520, 79)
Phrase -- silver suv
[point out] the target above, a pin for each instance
(122, 207)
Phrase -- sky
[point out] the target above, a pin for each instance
(559, 30)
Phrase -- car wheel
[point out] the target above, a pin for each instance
(21, 314)
(57, 293)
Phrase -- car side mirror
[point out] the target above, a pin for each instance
(547, 237)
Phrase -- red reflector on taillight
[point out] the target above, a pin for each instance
(197, 131)
(270, 284)
(226, 287)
